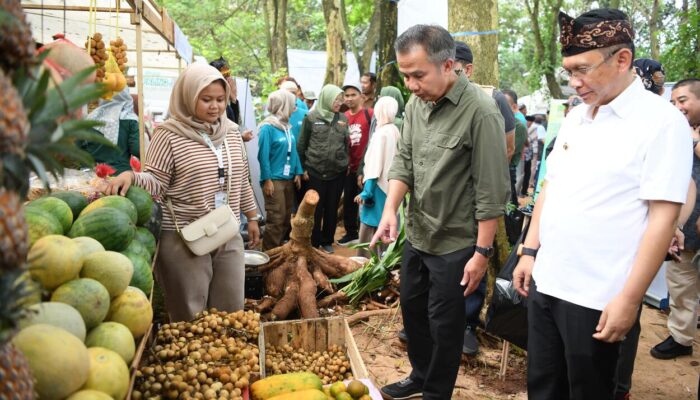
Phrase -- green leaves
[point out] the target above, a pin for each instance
(373, 275)
(53, 135)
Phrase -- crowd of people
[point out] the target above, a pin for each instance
(600, 229)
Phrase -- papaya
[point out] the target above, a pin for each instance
(276, 385)
(307, 394)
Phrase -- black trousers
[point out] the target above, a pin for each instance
(565, 362)
(351, 216)
(513, 194)
(326, 215)
(432, 305)
(628, 352)
(527, 170)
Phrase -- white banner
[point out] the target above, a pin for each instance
(413, 12)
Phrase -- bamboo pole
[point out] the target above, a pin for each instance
(139, 85)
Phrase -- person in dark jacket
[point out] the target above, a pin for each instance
(323, 151)
(121, 127)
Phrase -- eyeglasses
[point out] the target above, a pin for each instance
(581, 72)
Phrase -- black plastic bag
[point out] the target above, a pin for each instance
(506, 316)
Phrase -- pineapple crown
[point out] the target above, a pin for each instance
(16, 288)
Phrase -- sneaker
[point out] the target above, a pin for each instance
(327, 248)
(402, 335)
(403, 389)
(470, 346)
(669, 349)
(348, 239)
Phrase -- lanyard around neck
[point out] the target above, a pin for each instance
(219, 157)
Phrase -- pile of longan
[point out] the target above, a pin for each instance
(331, 365)
(118, 48)
(98, 52)
(211, 357)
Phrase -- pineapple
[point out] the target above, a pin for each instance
(13, 231)
(34, 130)
(16, 42)
(13, 120)
(16, 381)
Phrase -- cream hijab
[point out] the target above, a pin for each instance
(382, 144)
(183, 100)
(280, 105)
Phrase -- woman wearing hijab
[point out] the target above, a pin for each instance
(395, 93)
(280, 168)
(323, 151)
(121, 127)
(378, 159)
(184, 166)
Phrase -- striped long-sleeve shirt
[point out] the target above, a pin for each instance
(187, 172)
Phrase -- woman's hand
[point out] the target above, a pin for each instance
(268, 188)
(306, 176)
(253, 234)
(122, 181)
(247, 135)
(297, 182)
(358, 199)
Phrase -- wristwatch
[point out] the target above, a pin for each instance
(485, 251)
(526, 251)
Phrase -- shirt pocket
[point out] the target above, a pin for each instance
(443, 147)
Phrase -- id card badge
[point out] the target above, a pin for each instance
(219, 199)
(287, 170)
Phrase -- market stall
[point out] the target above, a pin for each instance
(153, 40)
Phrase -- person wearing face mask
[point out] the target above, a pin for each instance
(324, 154)
(280, 168)
(186, 166)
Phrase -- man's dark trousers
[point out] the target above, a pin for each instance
(350, 208)
(432, 305)
(565, 362)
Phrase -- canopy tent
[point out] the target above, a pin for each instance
(157, 43)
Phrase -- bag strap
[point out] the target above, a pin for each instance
(228, 186)
(172, 212)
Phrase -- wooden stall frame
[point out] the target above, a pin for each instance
(315, 334)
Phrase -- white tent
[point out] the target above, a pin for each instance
(309, 68)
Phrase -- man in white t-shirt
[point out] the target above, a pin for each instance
(605, 216)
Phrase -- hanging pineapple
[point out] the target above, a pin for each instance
(28, 143)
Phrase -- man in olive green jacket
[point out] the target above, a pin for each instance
(452, 158)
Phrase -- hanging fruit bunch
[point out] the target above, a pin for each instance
(118, 48)
(98, 51)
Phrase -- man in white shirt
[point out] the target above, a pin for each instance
(606, 214)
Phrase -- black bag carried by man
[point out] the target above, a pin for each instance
(506, 316)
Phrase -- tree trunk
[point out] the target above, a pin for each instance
(348, 35)
(546, 40)
(336, 63)
(372, 38)
(479, 16)
(276, 32)
(387, 69)
(654, 30)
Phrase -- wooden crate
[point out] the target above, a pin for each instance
(145, 341)
(312, 335)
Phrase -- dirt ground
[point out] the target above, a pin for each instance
(386, 361)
